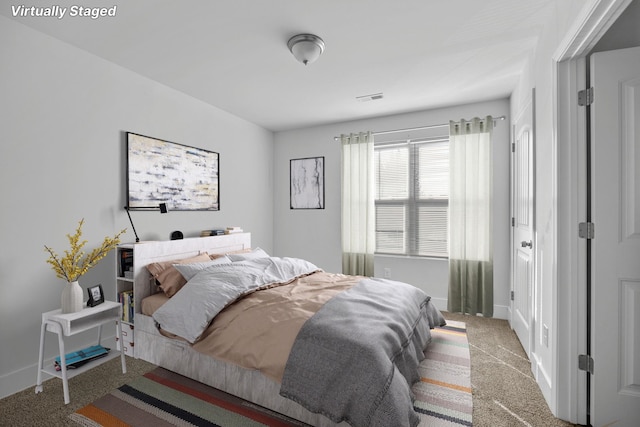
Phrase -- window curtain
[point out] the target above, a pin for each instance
(470, 220)
(358, 206)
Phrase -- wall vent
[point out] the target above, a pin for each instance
(372, 97)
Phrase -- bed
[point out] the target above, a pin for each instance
(176, 332)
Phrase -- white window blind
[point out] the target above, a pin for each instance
(412, 198)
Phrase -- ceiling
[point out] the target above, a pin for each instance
(420, 54)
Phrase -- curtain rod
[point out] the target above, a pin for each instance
(384, 132)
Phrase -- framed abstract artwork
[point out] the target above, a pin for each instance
(185, 178)
(307, 183)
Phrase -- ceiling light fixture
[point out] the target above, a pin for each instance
(306, 48)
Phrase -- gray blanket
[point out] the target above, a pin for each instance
(356, 359)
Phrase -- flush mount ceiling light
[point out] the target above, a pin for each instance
(306, 48)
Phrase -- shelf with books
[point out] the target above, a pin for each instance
(213, 232)
(125, 262)
(124, 296)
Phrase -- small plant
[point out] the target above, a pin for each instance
(75, 263)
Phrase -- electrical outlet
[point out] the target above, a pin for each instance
(545, 335)
(387, 273)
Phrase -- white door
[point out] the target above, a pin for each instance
(615, 260)
(522, 180)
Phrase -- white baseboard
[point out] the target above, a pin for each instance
(440, 303)
(499, 311)
(543, 380)
(21, 379)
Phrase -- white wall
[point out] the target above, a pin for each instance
(63, 114)
(315, 234)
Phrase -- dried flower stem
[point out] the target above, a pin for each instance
(74, 263)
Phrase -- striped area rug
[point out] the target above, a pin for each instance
(443, 394)
(162, 398)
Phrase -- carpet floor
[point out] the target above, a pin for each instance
(162, 398)
(505, 393)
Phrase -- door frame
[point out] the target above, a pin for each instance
(569, 397)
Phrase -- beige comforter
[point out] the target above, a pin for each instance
(258, 331)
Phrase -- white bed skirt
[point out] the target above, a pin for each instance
(251, 385)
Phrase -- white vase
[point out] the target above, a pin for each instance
(71, 299)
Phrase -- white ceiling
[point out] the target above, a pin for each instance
(233, 54)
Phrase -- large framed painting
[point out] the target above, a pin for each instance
(307, 183)
(185, 178)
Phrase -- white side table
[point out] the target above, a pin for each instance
(73, 323)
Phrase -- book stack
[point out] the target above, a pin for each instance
(214, 232)
(126, 300)
(126, 263)
(233, 230)
(78, 358)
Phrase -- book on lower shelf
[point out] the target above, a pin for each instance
(78, 358)
(125, 298)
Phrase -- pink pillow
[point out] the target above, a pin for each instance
(168, 278)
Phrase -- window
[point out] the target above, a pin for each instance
(412, 197)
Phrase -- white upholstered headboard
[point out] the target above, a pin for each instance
(147, 252)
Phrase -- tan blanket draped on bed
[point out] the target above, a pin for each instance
(258, 331)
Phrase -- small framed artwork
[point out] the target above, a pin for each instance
(96, 296)
(307, 183)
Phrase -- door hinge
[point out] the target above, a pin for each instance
(513, 295)
(586, 230)
(513, 147)
(585, 363)
(513, 221)
(585, 97)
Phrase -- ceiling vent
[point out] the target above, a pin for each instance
(372, 97)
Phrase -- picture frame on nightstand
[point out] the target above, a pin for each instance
(96, 296)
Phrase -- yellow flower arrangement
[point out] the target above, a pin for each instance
(74, 263)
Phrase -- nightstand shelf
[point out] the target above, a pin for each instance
(125, 264)
(77, 371)
(65, 325)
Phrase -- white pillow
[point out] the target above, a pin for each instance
(254, 254)
(190, 270)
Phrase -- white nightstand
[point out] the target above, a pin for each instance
(70, 324)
